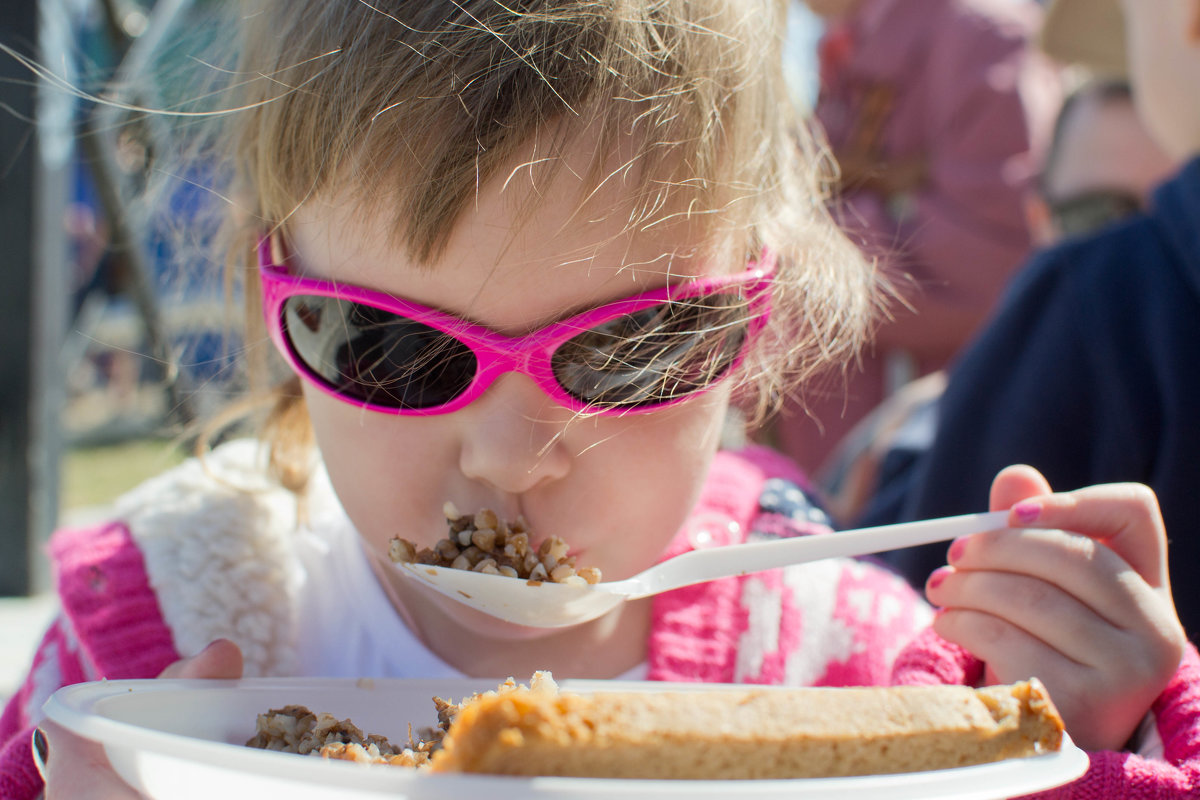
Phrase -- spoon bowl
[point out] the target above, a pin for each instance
(543, 604)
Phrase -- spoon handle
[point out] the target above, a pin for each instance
(699, 566)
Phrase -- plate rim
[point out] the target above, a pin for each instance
(73, 708)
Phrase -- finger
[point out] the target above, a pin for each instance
(77, 768)
(1014, 484)
(1040, 609)
(1011, 653)
(1094, 575)
(222, 659)
(1125, 517)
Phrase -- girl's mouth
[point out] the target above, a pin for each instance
(483, 542)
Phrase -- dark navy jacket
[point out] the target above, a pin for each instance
(1090, 372)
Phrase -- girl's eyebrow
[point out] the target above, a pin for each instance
(300, 266)
(664, 276)
(584, 308)
(297, 264)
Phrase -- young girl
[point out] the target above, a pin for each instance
(527, 259)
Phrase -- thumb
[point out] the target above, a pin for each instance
(1123, 516)
(1014, 484)
(222, 659)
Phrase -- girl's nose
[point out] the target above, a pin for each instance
(512, 437)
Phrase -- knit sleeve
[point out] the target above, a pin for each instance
(110, 627)
(1130, 776)
(109, 605)
(930, 659)
(56, 663)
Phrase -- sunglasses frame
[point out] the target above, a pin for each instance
(496, 354)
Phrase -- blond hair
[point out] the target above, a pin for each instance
(422, 102)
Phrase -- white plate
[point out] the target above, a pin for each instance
(182, 740)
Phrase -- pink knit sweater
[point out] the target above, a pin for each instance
(835, 623)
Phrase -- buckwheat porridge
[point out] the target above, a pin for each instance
(482, 542)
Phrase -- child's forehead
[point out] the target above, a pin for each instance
(555, 231)
(508, 269)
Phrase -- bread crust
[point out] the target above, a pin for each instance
(748, 733)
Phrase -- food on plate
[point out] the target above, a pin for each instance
(296, 729)
(482, 542)
(749, 733)
(705, 734)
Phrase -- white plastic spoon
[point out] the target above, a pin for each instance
(554, 605)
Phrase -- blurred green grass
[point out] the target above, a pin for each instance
(97, 475)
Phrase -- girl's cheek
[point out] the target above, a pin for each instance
(389, 475)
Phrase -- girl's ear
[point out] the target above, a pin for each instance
(1193, 28)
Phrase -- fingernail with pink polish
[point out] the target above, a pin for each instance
(957, 547)
(1027, 511)
(936, 577)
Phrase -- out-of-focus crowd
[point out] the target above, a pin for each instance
(1024, 175)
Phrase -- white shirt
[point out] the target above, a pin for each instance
(347, 626)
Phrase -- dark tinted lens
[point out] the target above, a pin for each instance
(375, 356)
(654, 355)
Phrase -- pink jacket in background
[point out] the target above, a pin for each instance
(956, 86)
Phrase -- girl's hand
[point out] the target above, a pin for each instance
(1077, 596)
(78, 769)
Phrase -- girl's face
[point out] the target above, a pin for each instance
(615, 488)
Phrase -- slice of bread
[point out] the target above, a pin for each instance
(749, 733)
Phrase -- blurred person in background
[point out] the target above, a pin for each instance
(1102, 167)
(937, 112)
(1089, 372)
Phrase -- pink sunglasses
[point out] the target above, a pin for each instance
(387, 354)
